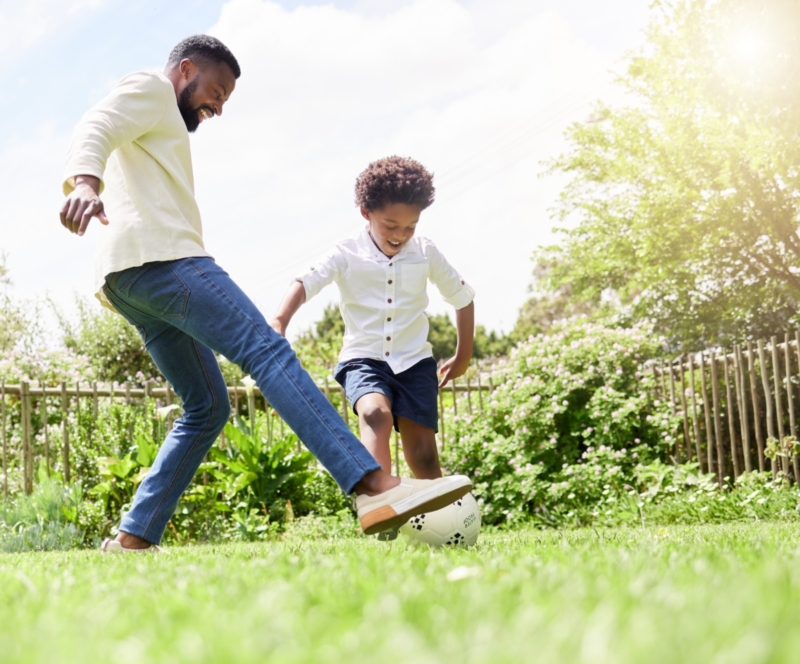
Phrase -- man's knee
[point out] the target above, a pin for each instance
(212, 413)
(221, 412)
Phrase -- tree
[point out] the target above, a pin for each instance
(546, 307)
(685, 201)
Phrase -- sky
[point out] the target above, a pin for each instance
(479, 91)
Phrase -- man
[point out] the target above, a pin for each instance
(152, 267)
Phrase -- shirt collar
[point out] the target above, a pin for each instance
(366, 247)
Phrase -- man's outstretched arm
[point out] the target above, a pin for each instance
(132, 109)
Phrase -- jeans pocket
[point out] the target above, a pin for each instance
(158, 290)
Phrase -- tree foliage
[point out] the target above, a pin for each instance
(685, 200)
(113, 346)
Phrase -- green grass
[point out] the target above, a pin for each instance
(722, 594)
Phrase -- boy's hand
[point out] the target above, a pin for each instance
(453, 368)
(277, 325)
(83, 204)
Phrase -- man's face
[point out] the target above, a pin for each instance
(392, 226)
(205, 89)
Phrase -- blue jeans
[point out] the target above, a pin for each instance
(185, 310)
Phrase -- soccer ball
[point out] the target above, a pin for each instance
(455, 525)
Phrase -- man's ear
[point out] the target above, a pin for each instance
(365, 213)
(188, 69)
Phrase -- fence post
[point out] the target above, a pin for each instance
(43, 414)
(738, 368)
(729, 408)
(663, 381)
(441, 418)
(168, 402)
(455, 396)
(776, 379)
(762, 360)
(695, 423)
(717, 423)
(396, 454)
(267, 408)
(27, 452)
(3, 434)
(469, 395)
(751, 371)
(707, 414)
(345, 411)
(65, 431)
(94, 400)
(687, 439)
(480, 390)
(790, 403)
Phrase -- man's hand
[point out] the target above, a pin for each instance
(83, 204)
(453, 368)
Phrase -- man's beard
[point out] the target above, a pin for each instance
(190, 115)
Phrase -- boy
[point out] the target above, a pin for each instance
(386, 367)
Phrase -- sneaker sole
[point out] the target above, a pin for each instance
(390, 516)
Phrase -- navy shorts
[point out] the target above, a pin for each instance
(413, 393)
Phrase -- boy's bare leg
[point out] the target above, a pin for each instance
(375, 422)
(419, 449)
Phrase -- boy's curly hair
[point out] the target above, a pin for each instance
(394, 180)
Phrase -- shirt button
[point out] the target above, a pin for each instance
(390, 281)
(388, 338)
(389, 319)
(390, 264)
(387, 353)
(389, 300)
(462, 282)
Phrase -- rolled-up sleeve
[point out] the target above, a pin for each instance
(330, 268)
(452, 286)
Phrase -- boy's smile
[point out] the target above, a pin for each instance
(392, 226)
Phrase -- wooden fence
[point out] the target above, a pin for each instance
(50, 440)
(738, 407)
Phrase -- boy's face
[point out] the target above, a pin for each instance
(392, 226)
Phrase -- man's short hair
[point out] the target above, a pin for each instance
(204, 49)
(394, 180)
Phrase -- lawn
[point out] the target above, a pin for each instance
(719, 594)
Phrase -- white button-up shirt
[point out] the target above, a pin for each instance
(383, 299)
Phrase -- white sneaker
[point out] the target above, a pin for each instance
(411, 497)
(114, 547)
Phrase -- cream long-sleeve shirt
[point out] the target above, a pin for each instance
(136, 142)
(384, 299)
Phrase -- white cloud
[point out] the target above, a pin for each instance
(478, 92)
(28, 23)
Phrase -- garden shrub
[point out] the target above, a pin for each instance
(570, 417)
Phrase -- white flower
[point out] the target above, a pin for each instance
(249, 384)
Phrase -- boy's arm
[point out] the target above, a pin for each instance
(458, 364)
(292, 301)
(307, 286)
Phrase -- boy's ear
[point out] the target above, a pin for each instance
(365, 213)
